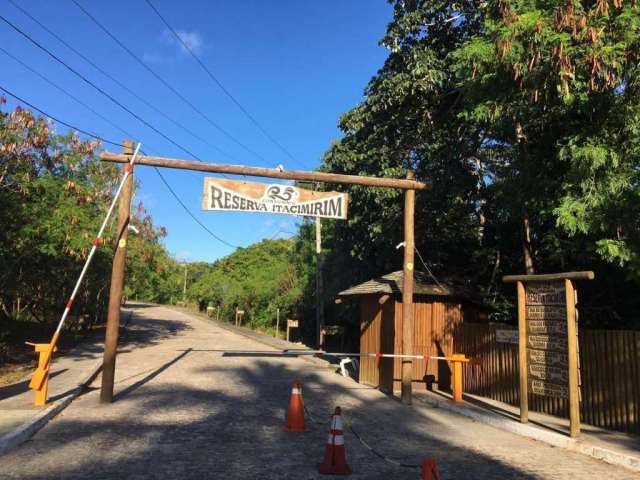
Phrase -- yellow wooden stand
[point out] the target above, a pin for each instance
(457, 360)
(45, 351)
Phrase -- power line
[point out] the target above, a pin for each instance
(168, 85)
(190, 213)
(120, 84)
(61, 122)
(220, 85)
(58, 87)
(429, 270)
(89, 82)
(104, 140)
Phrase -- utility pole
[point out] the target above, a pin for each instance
(319, 292)
(184, 288)
(407, 291)
(117, 285)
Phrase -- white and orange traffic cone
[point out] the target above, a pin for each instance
(429, 470)
(295, 414)
(335, 459)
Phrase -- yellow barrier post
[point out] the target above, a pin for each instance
(457, 360)
(45, 350)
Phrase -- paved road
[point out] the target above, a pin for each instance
(186, 409)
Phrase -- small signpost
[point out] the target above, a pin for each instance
(239, 314)
(291, 324)
(548, 340)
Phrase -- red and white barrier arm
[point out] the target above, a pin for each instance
(37, 379)
(321, 353)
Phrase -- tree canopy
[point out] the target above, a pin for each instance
(54, 193)
(524, 116)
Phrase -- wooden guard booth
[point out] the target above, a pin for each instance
(437, 310)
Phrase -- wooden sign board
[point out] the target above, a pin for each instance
(239, 196)
(547, 346)
(291, 324)
(548, 356)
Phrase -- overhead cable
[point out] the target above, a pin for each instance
(168, 85)
(103, 92)
(122, 85)
(220, 84)
(111, 142)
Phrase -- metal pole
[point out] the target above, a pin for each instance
(117, 285)
(319, 289)
(407, 291)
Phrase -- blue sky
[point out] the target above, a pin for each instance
(294, 65)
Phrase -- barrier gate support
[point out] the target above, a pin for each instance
(456, 359)
(44, 351)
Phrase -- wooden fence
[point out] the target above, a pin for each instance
(609, 374)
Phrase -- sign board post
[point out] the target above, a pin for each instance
(238, 320)
(331, 205)
(548, 356)
(291, 324)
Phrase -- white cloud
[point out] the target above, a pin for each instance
(165, 47)
(192, 40)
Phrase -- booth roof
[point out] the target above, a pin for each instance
(392, 284)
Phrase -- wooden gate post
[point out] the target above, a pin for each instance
(319, 289)
(572, 352)
(117, 285)
(407, 291)
(522, 354)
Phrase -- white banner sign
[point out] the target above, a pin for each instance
(238, 196)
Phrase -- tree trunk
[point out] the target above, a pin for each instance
(494, 273)
(480, 189)
(526, 245)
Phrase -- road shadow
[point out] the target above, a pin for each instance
(150, 376)
(21, 387)
(234, 430)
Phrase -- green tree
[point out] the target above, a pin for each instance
(258, 279)
(524, 118)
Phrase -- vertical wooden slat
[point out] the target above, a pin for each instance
(624, 367)
(587, 386)
(620, 383)
(601, 399)
(636, 356)
(615, 378)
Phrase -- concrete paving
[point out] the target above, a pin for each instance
(193, 401)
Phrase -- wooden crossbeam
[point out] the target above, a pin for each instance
(403, 184)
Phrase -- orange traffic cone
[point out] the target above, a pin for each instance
(335, 460)
(295, 414)
(430, 470)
